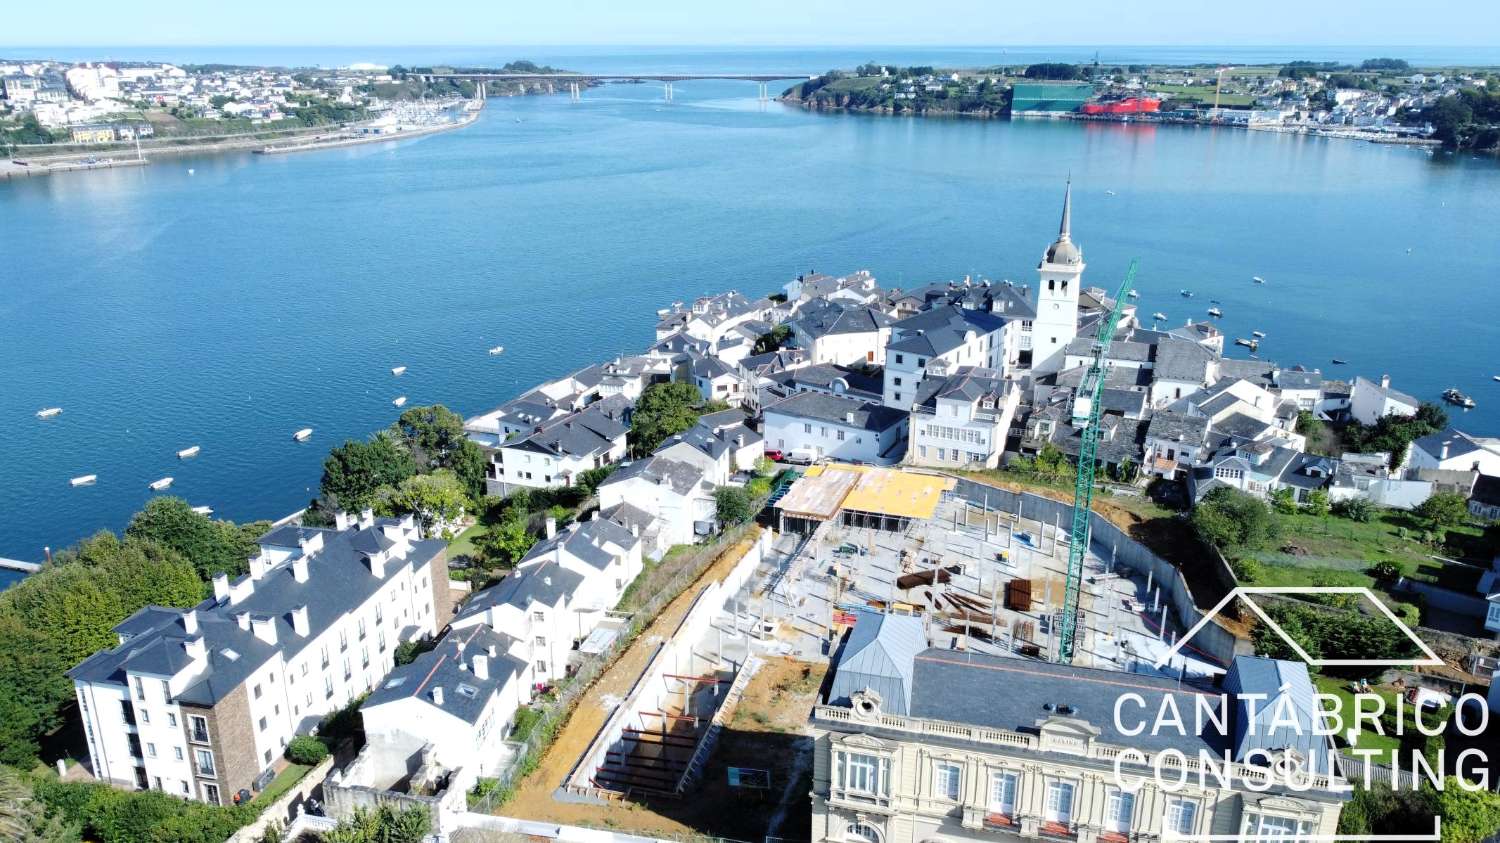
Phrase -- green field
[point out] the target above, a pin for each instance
(1342, 547)
(1201, 93)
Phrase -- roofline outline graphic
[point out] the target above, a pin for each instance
(1436, 835)
(1431, 658)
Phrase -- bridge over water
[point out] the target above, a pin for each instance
(577, 81)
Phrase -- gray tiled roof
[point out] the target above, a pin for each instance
(1240, 426)
(837, 409)
(824, 318)
(822, 376)
(940, 330)
(681, 476)
(1299, 378)
(1177, 427)
(450, 666)
(1180, 360)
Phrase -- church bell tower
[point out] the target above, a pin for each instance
(1061, 277)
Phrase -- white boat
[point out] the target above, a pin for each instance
(188, 453)
(190, 171)
(158, 485)
(1497, 377)
(399, 371)
(204, 510)
(1257, 279)
(48, 413)
(1135, 294)
(1159, 316)
(85, 480)
(1260, 335)
(1109, 193)
(1214, 311)
(1187, 294)
(303, 435)
(497, 349)
(400, 401)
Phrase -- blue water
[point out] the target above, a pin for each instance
(264, 294)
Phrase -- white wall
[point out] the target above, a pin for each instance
(788, 433)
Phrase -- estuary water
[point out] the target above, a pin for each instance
(229, 301)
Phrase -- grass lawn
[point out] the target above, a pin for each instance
(857, 83)
(463, 543)
(1340, 547)
(284, 781)
(1201, 93)
(1366, 739)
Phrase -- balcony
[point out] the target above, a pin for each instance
(1057, 830)
(860, 801)
(1001, 821)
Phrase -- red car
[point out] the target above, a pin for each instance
(774, 455)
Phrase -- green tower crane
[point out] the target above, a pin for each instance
(1087, 405)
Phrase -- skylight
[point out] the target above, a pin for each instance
(229, 654)
(467, 691)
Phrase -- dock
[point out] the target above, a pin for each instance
(18, 565)
(12, 170)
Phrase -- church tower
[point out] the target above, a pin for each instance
(1061, 272)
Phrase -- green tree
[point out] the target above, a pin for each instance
(1231, 520)
(25, 820)
(732, 505)
(1444, 509)
(384, 824)
(506, 543)
(1468, 816)
(590, 480)
(213, 546)
(437, 499)
(765, 467)
(1355, 509)
(1317, 503)
(773, 340)
(1283, 501)
(432, 434)
(664, 409)
(354, 471)
(1053, 70)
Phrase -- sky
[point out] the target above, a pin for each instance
(751, 22)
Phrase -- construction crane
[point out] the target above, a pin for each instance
(1087, 405)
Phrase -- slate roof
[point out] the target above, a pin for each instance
(825, 318)
(1181, 360)
(1257, 372)
(822, 376)
(1177, 427)
(339, 580)
(450, 666)
(940, 330)
(681, 476)
(773, 362)
(1459, 443)
(589, 431)
(586, 541)
(1299, 378)
(1361, 383)
(709, 368)
(545, 583)
(1486, 490)
(879, 655)
(1127, 351)
(835, 409)
(1240, 426)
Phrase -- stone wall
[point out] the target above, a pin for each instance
(287, 808)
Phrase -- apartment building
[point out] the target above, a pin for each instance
(200, 702)
(962, 420)
(919, 744)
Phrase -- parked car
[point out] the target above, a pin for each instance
(774, 455)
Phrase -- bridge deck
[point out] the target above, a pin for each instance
(587, 77)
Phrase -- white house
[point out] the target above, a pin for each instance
(963, 420)
(719, 381)
(841, 333)
(199, 702)
(1454, 450)
(819, 425)
(1174, 443)
(720, 444)
(677, 495)
(556, 452)
(1370, 401)
(461, 698)
(940, 341)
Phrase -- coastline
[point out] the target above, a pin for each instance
(357, 140)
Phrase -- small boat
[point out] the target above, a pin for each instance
(1135, 294)
(1214, 311)
(85, 480)
(158, 485)
(400, 401)
(1458, 399)
(1260, 335)
(1497, 377)
(190, 171)
(49, 412)
(1187, 294)
(1159, 316)
(1338, 362)
(399, 371)
(303, 435)
(499, 349)
(189, 453)
(1109, 193)
(1253, 345)
(1257, 279)
(204, 510)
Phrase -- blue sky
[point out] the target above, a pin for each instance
(751, 22)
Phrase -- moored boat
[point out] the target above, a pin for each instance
(190, 452)
(52, 412)
(1260, 335)
(158, 485)
(1187, 294)
(1257, 279)
(85, 480)
(204, 510)
(399, 371)
(1458, 399)
(400, 401)
(499, 349)
(1159, 316)
(1214, 311)
(1250, 344)
(303, 435)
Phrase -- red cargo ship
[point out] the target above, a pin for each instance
(1128, 105)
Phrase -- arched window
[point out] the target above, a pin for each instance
(862, 833)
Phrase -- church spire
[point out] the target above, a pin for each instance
(1063, 233)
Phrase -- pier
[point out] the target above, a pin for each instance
(18, 565)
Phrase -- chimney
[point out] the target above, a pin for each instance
(739, 440)
(437, 695)
(481, 667)
(635, 530)
(1444, 454)
(299, 621)
(342, 520)
(310, 544)
(299, 569)
(547, 580)
(367, 518)
(190, 622)
(849, 418)
(376, 561)
(459, 646)
(492, 651)
(257, 566)
(195, 648)
(1385, 381)
(221, 587)
(264, 629)
(243, 619)
(551, 527)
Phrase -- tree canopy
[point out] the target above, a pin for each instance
(664, 409)
(437, 499)
(354, 471)
(212, 546)
(733, 505)
(1231, 520)
(1053, 70)
(1444, 509)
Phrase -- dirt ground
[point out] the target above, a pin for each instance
(534, 797)
(769, 731)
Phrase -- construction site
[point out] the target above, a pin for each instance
(986, 574)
